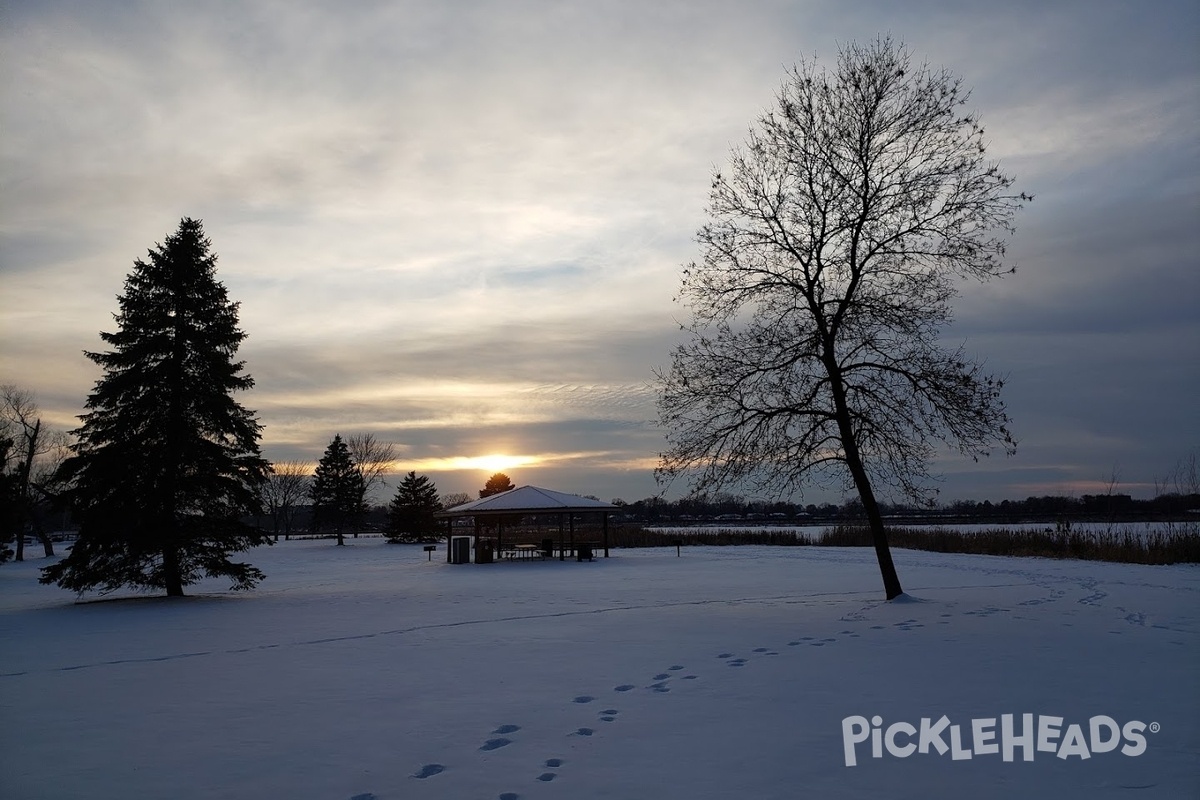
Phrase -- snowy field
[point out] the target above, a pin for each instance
(367, 672)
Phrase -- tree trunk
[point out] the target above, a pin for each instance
(891, 581)
(43, 537)
(171, 577)
(26, 468)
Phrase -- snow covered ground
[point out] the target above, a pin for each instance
(369, 672)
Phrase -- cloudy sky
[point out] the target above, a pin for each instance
(460, 225)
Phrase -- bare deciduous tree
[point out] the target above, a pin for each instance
(286, 486)
(32, 444)
(1182, 481)
(829, 262)
(455, 499)
(373, 457)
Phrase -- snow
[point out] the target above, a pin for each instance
(528, 499)
(725, 673)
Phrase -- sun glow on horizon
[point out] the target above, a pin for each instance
(493, 462)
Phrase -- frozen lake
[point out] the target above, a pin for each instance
(814, 531)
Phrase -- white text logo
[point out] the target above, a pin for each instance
(1030, 734)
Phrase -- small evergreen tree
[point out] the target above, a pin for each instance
(496, 484)
(166, 462)
(410, 515)
(338, 490)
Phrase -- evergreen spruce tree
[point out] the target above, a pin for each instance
(338, 490)
(497, 484)
(166, 462)
(410, 515)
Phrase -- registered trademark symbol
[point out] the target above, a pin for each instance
(1155, 727)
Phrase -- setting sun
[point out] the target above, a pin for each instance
(498, 462)
(493, 462)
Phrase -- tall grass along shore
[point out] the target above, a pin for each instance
(1165, 544)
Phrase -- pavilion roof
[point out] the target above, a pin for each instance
(527, 500)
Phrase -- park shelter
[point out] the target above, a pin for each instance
(516, 503)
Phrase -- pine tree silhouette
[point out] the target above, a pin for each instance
(166, 461)
(338, 490)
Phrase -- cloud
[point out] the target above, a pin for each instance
(461, 224)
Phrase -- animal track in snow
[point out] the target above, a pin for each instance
(428, 771)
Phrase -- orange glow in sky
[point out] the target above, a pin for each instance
(493, 462)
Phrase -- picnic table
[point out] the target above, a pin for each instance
(528, 551)
(579, 550)
(523, 551)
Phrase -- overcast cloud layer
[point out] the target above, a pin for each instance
(459, 226)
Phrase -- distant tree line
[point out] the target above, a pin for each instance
(1170, 505)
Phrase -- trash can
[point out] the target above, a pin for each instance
(460, 550)
(483, 551)
(583, 551)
